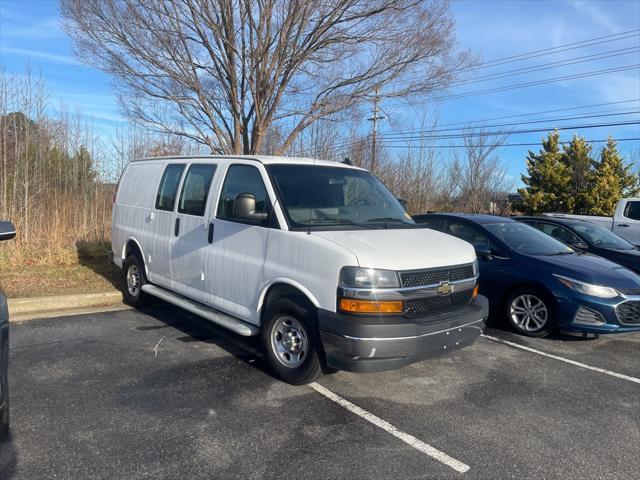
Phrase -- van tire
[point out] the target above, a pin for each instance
(134, 267)
(291, 343)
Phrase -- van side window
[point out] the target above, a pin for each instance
(242, 179)
(195, 189)
(168, 189)
(632, 210)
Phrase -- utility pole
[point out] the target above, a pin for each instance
(374, 127)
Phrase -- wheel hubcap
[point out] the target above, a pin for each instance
(133, 280)
(289, 341)
(529, 312)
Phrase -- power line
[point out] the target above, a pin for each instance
(533, 114)
(497, 145)
(557, 49)
(421, 134)
(523, 131)
(486, 134)
(535, 83)
(550, 65)
(618, 140)
(404, 134)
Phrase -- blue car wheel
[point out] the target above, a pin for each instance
(530, 312)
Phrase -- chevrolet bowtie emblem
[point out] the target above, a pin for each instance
(445, 288)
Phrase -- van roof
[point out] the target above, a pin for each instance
(264, 159)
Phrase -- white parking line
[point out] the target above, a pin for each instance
(386, 426)
(565, 360)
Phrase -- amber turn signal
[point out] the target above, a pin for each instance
(366, 306)
(475, 291)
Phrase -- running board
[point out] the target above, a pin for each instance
(219, 318)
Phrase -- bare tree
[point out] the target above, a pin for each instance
(224, 72)
(481, 172)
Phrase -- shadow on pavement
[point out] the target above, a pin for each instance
(95, 254)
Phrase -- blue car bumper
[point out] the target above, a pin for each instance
(584, 313)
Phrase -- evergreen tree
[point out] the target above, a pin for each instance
(629, 181)
(611, 181)
(548, 180)
(577, 156)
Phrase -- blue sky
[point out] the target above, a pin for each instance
(30, 33)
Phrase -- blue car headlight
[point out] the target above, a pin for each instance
(587, 288)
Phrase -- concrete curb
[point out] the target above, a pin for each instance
(42, 307)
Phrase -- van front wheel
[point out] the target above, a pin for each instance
(290, 342)
(134, 279)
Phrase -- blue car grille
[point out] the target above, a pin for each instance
(434, 276)
(441, 303)
(629, 291)
(629, 313)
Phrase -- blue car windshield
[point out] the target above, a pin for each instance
(527, 240)
(601, 237)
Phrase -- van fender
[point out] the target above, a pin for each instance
(124, 253)
(287, 281)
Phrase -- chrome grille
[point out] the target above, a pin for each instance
(434, 276)
(629, 291)
(441, 303)
(629, 313)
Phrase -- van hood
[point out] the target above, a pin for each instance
(402, 249)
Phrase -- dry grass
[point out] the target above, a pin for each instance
(85, 269)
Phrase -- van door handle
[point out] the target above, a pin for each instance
(210, 236)
(176, 230)
(623, 224)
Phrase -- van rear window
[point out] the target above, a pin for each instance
(168, 189)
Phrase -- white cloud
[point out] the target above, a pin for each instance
(29, 53)
(596, 15)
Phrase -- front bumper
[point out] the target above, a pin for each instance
(608, 311)
(359, 343)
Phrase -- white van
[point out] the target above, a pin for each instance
(316, 257)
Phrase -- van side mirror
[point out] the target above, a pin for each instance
(244, 208)
(483, 251)
(7, 230)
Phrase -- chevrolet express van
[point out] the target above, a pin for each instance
(317, 258)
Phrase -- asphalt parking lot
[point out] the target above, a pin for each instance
(162, 394)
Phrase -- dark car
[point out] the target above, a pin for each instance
(588, 237)
(539, 284)
(7, 232)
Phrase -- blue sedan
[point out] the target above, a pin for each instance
(539, 284)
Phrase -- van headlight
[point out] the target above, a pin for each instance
(358, 277)
(476, 269)
(587, 288)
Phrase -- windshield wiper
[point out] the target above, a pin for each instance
(560, 253)
(341, 221)
(388, 220)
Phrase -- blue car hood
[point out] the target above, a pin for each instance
(591, 269)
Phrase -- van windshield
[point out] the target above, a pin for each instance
(336, 198)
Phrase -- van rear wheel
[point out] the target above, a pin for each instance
(134, 280)
(290, 342)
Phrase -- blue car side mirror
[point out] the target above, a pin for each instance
(7, 230)
(483, 251)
